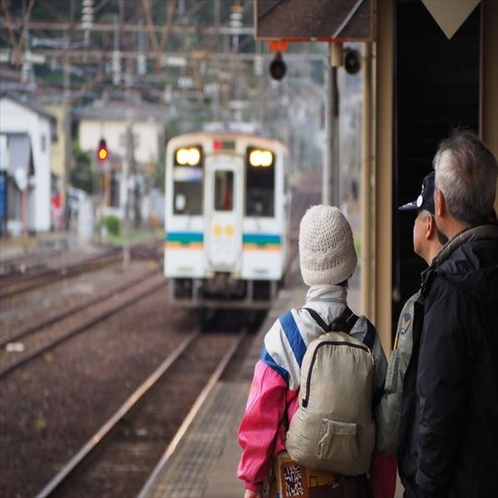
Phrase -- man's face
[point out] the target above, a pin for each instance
(420, 232)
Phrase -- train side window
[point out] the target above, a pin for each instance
(223, 191)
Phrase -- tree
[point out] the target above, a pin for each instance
(82, 176)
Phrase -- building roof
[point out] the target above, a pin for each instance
(29, 104)
(34, 107)
(121, 111)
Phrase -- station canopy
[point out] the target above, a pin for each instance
(314, 20)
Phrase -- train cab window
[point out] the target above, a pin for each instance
(187, 190)
(223, 191)
(260, 190)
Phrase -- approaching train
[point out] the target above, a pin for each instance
(227, 215)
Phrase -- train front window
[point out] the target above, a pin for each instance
(223, 191)
(187, 190)
(260, 184)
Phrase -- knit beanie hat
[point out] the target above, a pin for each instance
(326, 248)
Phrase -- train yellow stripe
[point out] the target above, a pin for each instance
(260, 248)
(184, 247)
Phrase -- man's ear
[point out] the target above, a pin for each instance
(439, 203)
(430, 228)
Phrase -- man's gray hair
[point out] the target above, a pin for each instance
(466, 173)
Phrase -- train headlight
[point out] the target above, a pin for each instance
(188, 157)
(258, 157)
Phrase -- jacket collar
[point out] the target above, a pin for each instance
(480, 232)
(327, 293)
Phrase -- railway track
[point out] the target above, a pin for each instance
(63, 313)
(32, 259)
(41, 337)
(38, 276)
(117, 460)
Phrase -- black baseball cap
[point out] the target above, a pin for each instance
(426, 198)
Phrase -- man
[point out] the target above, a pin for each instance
(448, 436)
(427, 241)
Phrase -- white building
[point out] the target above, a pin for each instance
(26, 132)
(115, 121)
(109, 120)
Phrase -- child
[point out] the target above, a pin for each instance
(327, 260)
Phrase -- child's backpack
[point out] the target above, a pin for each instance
(333, 428)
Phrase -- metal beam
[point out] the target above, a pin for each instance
(206, 30)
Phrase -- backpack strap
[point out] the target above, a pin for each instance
(345, 322)
(350, 319)
(318, 319)
(369, 338)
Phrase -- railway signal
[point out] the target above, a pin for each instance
(102, 151)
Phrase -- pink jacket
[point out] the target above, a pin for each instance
(263, 427)
(264, 414)
(273, 400)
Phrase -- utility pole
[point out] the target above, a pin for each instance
(330, 191)
(66, 101)
(67, 136)
(126, 181)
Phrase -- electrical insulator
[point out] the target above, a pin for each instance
(87, 14)
(141, 64)
(116, 67)
(26, 70)
(236, 16)
(258, 65)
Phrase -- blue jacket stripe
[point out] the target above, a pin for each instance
(294, 336)
(267, 358)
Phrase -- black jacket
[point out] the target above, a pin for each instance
(448, 441)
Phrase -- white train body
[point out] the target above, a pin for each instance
(226, 219)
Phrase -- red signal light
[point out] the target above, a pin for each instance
(102, 152)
